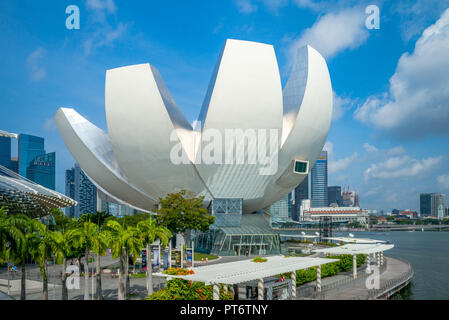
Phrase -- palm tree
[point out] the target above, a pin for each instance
(12, 243)
(125, 242)
(99, 246)
(42, 243)
(64, 249)
(150, 231)
(82, 237)
(19, 253)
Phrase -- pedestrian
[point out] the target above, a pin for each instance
(202, 260)
(207, 260)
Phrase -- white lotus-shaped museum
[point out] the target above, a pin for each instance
(132, 162)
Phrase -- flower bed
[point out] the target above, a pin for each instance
(178, 271)
(259, 260)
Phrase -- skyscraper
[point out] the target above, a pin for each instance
(34, 163)
(42, 170)
(319, 181)
(334, 196)
(5, 152)
(279, 211)
(301, 193)
(81, 189)
(432, 204)
(29, 148)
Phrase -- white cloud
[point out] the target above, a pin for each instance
(309, 4)
(245, 6)
(443, 180)
(398, 167)
(370, 148)
(340, 164)
(334, 32)
(38, 72)
(49, 124)
(396, 151)
(417, 103)
(340, 106)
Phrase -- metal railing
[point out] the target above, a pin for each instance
(309, 292)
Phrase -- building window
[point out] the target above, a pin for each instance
(301, 167)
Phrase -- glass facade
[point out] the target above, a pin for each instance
(281, 210)
(42, 170)
(80, 188)
(301, 193)
(334, 196)
(319, 181)
(29, 148)
(5, 152)
(34, 163)
(252, 237)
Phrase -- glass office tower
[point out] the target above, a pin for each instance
(301, 193)
(319, 181)
(29, 148)
(5, 152)
(42, 170)
(34, 163)
(81, 189)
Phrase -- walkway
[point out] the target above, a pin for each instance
(397, 274)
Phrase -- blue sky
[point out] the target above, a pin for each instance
(389, 136)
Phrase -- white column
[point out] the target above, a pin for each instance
(242, 292)
(378, 259)
(182, 256)
(293, 285)
(368, 263)
(354, 266)
(260, 289)
(169, 254)
(193, 254)
(382, 258)
(216, 291)
(318, 279)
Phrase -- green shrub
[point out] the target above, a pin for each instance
(179, 289)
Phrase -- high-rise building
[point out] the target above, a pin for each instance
(350, 198)
(432, 204)
(318, 181)
(301, 193)
(29, 148)
(34, 163)
(42, 170)
(5, 152)
(334, 196)
(279, 211)
(81, 189)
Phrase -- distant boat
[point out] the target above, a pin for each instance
(422, 229)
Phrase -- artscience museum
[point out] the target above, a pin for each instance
(254, 141)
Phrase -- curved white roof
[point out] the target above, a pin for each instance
(133, 161)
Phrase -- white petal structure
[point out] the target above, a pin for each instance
(134, 162)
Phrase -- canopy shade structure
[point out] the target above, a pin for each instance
(246, 270)
(357, 249)
(20, 195)
(355, 240)
(304, 236)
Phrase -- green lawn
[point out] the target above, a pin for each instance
(199, 256)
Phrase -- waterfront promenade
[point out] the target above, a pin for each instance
(394, 276)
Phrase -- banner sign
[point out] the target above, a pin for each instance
(189, 257)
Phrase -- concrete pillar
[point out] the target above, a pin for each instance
(381, 258)
(216, 291)
(260, 289)
(242, 292)
(368, 263)
(294, 285)
(354, 266)
(378, 259)
(318, 279)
